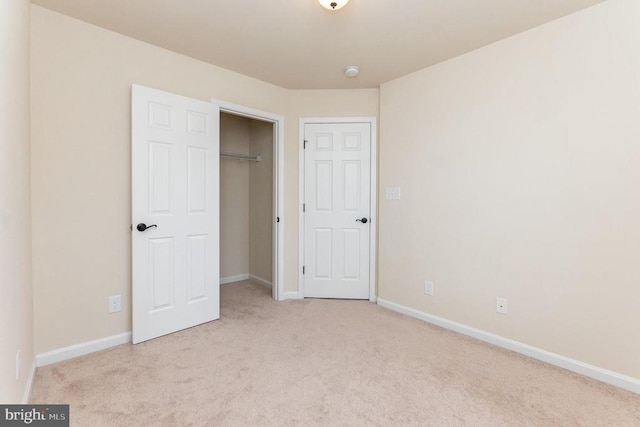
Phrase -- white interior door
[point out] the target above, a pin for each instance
(337, 210)
(175, 190)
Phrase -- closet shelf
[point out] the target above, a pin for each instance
(248, 157)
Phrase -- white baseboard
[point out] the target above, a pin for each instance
(81, 349)
(600, 374)
(233, 279)
(292, 295)
(260, 280)
(27, 390)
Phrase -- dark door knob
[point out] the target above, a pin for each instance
(142, 226)
(363, 220)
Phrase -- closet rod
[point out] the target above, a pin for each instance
(240, 156)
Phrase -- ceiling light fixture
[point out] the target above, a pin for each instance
(333, 4)
(352, 71)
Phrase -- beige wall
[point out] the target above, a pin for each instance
(16, 315)
(518, 165)
(234, 196)
(261, 201)
(81, 84)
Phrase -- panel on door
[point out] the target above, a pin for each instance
(337, 210)
(175, 174)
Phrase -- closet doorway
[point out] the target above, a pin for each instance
(251, 197)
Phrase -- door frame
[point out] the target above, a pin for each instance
(277, 279)
(372, 121)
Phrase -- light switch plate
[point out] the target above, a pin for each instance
(393, 193)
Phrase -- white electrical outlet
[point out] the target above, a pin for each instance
(18, 362)
(428, 287)
(393, 193)
(115, 303)
(501, 306)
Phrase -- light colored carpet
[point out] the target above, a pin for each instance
(322, 362)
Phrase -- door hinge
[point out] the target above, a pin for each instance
(277, 219)
(131, 227)
(304, 144)
(303, 269)
(304, 207)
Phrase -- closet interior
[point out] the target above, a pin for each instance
(246, 199)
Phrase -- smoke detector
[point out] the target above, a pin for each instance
(352, 71)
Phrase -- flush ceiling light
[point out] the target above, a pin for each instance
(333, 4)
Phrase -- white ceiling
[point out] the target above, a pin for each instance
(297, 44)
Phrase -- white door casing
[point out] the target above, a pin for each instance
(175, 186)
(337, 210)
